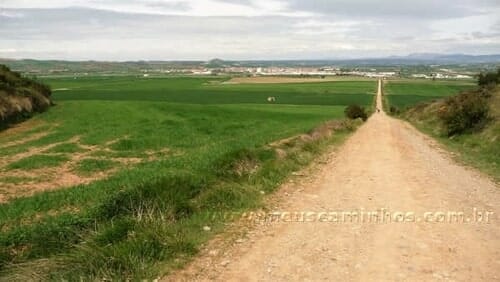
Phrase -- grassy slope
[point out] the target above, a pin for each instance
(481, 149)
(134, 222)
(405, 93)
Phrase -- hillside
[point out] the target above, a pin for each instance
(479, 144)
(20, 97)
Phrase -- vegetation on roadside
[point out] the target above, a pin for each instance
(465, 112)
(20, 97)
(468, 123)
(119, 229)
(355, 112)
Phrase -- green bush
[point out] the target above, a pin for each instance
(489, 78)
(355, 111)
(465, 112)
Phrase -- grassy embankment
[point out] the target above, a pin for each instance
(479, 147)
(172, 151)
(20, 97)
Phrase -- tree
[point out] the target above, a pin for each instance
(485, 79)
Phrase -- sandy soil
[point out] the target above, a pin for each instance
(64, 175)
(386, 164)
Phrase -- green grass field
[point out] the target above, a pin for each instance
(211, 90)
(406, 93)
(151, 158)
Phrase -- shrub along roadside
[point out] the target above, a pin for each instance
(469, 111)
(468, 124)
(356, 111)
(465, 112)
(136, 230)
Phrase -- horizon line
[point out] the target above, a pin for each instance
(410, 56)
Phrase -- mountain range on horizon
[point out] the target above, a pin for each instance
(413, 58)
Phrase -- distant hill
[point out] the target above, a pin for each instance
(215, 63)
(20, 97)
(69, 68)
(449, 58)
(56, 67)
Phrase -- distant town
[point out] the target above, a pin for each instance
(315, 71)
(216, 67)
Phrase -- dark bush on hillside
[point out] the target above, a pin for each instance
(20, 97)
(489, 78)
(465, 112)
(355, 111)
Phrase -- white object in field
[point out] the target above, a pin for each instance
(271, 99)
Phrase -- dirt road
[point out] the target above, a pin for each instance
(389, 165)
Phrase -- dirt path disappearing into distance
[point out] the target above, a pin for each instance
(392, 173)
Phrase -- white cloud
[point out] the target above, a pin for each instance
(244, 29)
(8, 14)
(466, 24)
(322, 27)
(9, 50)
(201, 8)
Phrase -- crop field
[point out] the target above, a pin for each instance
(405, 93)
(288, 79)
(116, 180)
(212, 91)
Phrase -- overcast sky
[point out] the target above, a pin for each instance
(245, 29)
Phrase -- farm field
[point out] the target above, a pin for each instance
(404, 93)
(289, 79)
(144, 160)
(211, 90)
